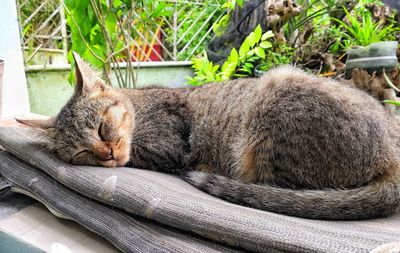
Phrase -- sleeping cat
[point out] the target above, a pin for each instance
(288, 142)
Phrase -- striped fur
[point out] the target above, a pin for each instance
(288, 142)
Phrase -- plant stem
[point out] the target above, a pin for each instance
(107, 40)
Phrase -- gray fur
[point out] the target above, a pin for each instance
(288, 142)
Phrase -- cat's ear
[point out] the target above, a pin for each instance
(87, 80)
(38, 123)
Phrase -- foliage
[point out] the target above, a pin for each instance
(282, 54)
(317, 38)
(392, 102)
(102, 32)
(35, 25)
(240, 63)
(312, 11)
(220, 26)
(205, 71)
(253, 49)
(365, 32)
(324, 30)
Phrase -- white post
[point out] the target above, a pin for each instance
(15, 93)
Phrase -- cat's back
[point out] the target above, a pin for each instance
(290, 92)
(283, 87)
(311, 122)
(320, 125)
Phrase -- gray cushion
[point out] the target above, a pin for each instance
(169, 200)
(125, 231)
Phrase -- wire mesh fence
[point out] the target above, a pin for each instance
(178, 37)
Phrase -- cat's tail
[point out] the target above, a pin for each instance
(380, 198)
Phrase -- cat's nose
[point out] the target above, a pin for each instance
(105, 153)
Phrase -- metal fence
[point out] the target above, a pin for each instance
(43, 30)
(45, 33)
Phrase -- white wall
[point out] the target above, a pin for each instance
(15, 94)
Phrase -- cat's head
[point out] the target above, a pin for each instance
(95, 127)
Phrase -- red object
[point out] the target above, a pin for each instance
(156, 48)
(155, 53)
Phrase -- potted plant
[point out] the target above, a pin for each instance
(370, 43)
(106, 33)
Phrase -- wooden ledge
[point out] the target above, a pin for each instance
(11, 122)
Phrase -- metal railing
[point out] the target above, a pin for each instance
(43, 29)
(181, 36)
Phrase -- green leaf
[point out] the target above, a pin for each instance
(244, 49)
(240, 75)
(77, 5)
(161, 11)
(257, 33)
(93, 60)
(27, 29)
(253, 58)
(392, 102)
(111, 24)
(229, 66)
(250, 53)
(83, 23)
(251, 40)
(266, 44)
(78, 45)
(127, 2)
(260, 52)
(245, 70)
(96, 35)
(90, 14)
(71, 76)
(267, 35)
(234, 56)
(220, 26)
(248, 64)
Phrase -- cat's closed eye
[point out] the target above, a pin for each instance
(101, 132)
(80, 153)
(118, 141)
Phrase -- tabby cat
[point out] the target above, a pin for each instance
(288, 142)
